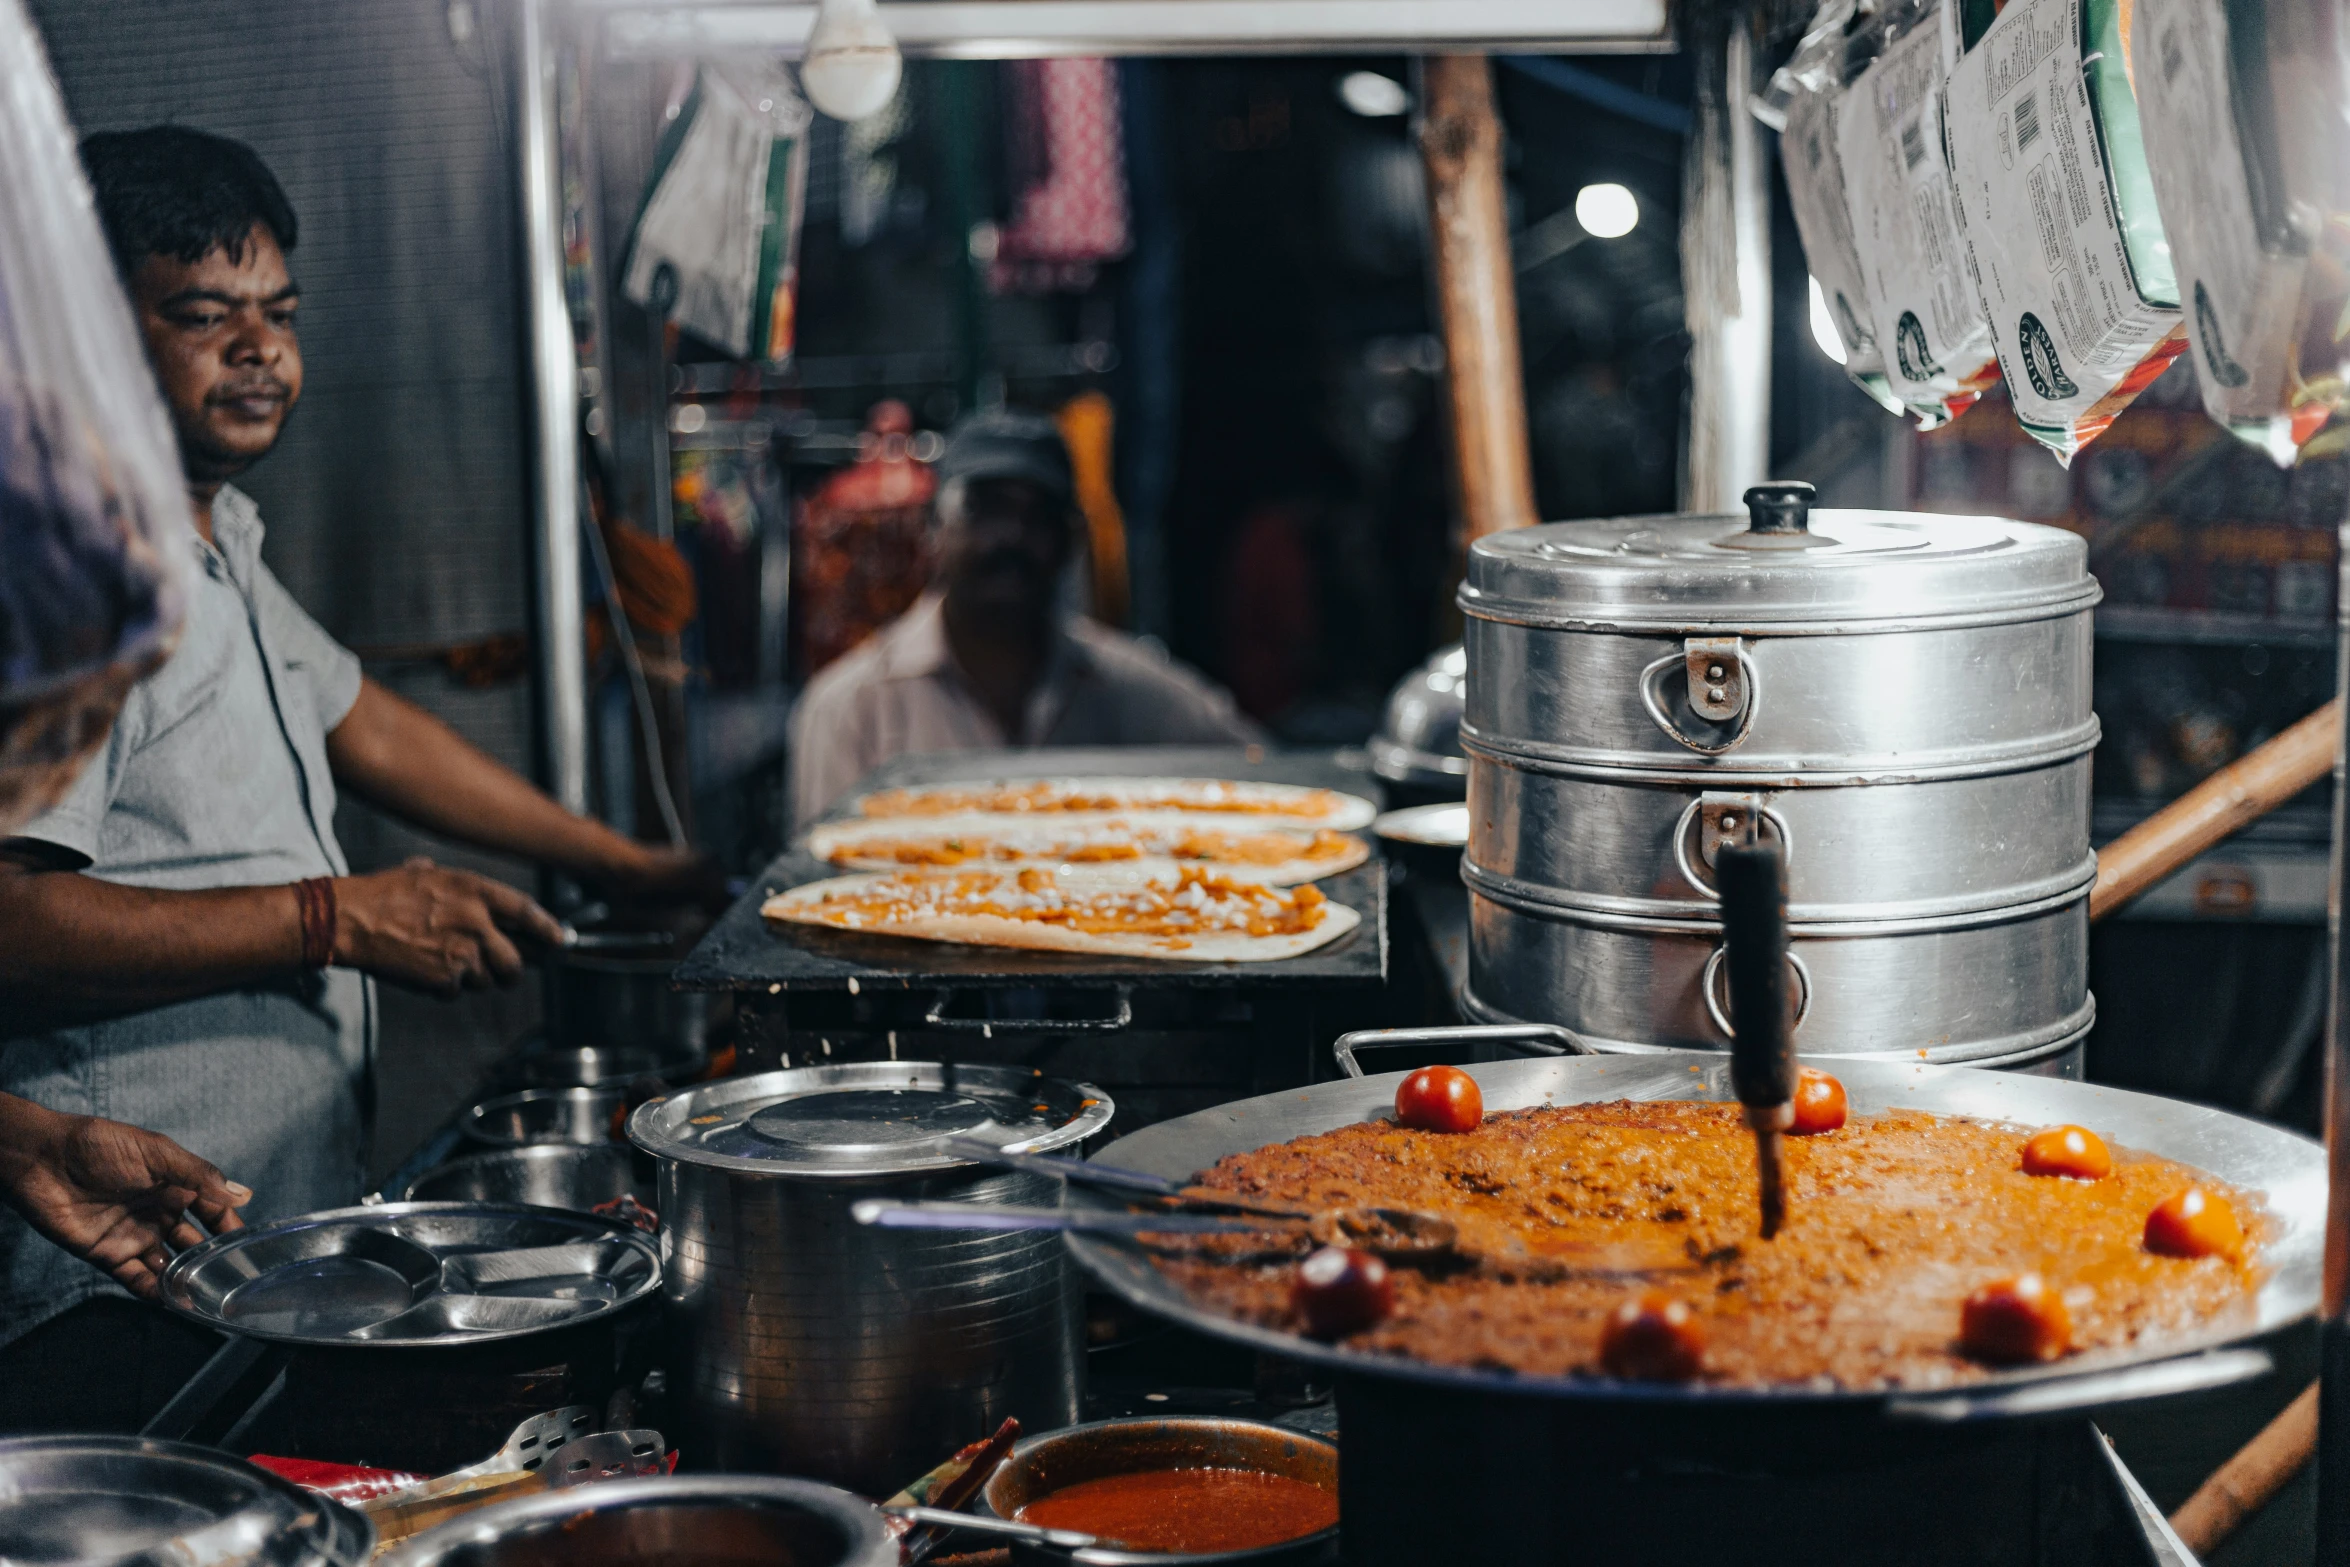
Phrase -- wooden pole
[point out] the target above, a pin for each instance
(1477, 298)
(2227, 802)
(2245, 1483)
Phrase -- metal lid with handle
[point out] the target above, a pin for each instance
(1784, 566)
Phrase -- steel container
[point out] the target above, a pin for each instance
(585, 1116)
(1901, 701)
(707, 1520)
(122, 1500)
(802, 1341)
(544, 1175)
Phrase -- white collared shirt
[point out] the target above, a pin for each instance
(902, 693)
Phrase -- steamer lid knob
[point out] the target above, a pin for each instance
(1781, 506)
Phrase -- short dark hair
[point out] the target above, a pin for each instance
(171, 190)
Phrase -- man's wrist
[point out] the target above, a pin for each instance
(27, 1132)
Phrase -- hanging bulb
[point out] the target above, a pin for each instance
(852, 65)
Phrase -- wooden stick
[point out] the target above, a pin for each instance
(2246, 1483)
(2224, 804)
(1477, 297)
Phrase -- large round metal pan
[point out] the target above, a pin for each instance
(2287, 1170)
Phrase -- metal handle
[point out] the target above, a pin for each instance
(1710, 984)
(1078, 1221)
(1780, 506)
(1720, 691)
(2158, 1379)
(1534, 1039)
(1107, 1177)
(980, 1523)
(1122, 1016)
(1717, 817)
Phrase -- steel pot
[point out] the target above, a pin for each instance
(1043, 1464)
(803, 1341)
(706, 1520)
(1901, 701)
(124, 1500)
(548, 1175)
(580, 1115)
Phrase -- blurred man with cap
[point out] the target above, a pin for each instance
(988, 659)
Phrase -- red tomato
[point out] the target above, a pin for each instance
(2072, 1151)
(2009, 1322)
(1339, 1290)
(1652, 1338)
(1439, 1099)
(2192, 1222)
(1819, 1102)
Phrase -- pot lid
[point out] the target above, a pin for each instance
(1783, 565)
(136, 1503)
(866, 1118)
(413, 1273)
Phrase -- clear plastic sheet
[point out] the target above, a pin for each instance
(93, 512)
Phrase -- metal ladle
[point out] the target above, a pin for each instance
(1008, 1529)
(1394, 1234)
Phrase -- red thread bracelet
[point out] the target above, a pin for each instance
(316, 898)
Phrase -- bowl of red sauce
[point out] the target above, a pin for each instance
(1185, 1489)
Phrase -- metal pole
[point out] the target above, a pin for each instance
(554, 399)
(1725, 268)
(2333, 1415)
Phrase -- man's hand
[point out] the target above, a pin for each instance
(664, 878)
(120, 1198)
(437, 930)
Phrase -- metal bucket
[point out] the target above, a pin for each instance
(805, 1342)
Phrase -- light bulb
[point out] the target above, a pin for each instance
(1823, 324)
(1606, 211)
(852, 66)
(1373, 96)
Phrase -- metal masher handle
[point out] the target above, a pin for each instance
(1008, 1528)
(1534, 1039)
(1081, 1221)
(1078, 1172)
(1753, 881)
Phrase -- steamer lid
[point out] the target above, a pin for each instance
(866, 1118)
(1784, 566)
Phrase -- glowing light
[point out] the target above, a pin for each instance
(852, 66)
(1607, 211)
(1373, 96)
(1823, 324)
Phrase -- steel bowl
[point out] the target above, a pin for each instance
(549, 1175)
(1054, 1460)
(135, 1503)
(705, 1520)
(549, 1115)
(1418, 746)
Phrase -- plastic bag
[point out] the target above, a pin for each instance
(2063, 238)
(94, 514)
(1929, 317)
(2245, 129)
(716, 245)
(1803, 103)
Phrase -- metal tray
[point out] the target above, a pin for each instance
(413, 1274)
(2286, 1169)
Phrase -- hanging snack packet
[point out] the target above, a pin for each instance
(1929, 316)
(716, 245)
(2254, 205)
(2056, 203)
(1802, 104)
(94, 519)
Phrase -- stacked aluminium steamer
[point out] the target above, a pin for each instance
(2067, 194)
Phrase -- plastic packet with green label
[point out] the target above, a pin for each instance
(2244, 124)
(2064, 240)
(1929, 320)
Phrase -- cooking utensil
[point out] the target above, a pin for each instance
(1001, 1528)
(709, 1520)
(1127, 1183)
(805, 1340)
(1762, 1058)
(1053, 1460)
(1923, 1476)
(589, 1117)
(948, 1487)
(517, 1463)
(412, 1274)
(1417, 750)
(1637, 683)
(1066, 1221)
(138, 1503)
(596, 1458)
(544, 1175)
(605, 1456)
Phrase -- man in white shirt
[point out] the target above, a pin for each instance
(987, 659)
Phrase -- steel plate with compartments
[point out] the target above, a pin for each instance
(2288, 1171)
(413, 1274)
